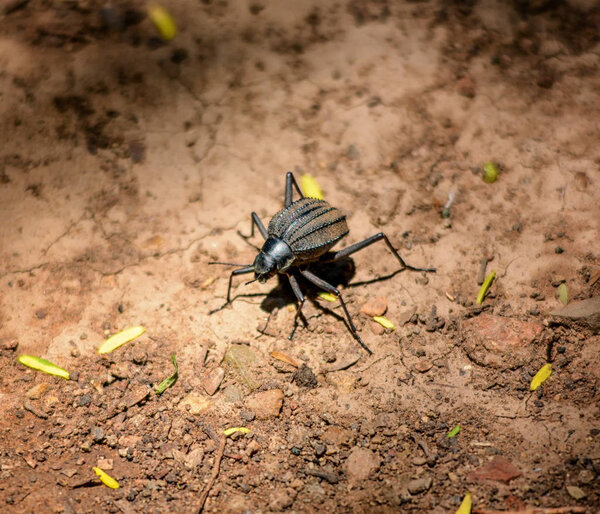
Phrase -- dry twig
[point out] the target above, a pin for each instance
(535, 510)
(214, 474)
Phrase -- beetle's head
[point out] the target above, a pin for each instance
(275, 257)
(264, 267)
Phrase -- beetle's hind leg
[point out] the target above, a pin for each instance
(345, 252)
(300, 297)
(290, 181)
(334, 290)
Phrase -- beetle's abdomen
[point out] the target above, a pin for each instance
(309, 226)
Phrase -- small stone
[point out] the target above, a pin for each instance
(195, 404)
(586, 476)
(559, 250)
(337, 435)
(252, 448)
(584, 312)
(280, 500)
(499, 469)
(376, 328)
(85, 446)
(499, 342)
(10, 345)
(139, 357)
(232, 393)
(581, 181)
(194, 458)
(97, 434)
(423, 365)
(212, 380)
(353, 153)
(360, 464)
(419, 461)
(466, 87)
(375, 306)
(419, 485)
(319, 448)
(266, 404)
(247, 415)
(576, 492)
(40, 313)
(105, 464)
(37, 391)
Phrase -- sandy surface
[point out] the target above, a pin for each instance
(127, 164)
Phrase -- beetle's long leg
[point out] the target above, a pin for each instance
(255, 222)
(300, 297)
(334, 290)
(241, 271)
(290, 181)
(345, 252)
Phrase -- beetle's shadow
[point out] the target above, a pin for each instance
(335, 273)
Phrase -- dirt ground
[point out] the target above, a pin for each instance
(128, 163)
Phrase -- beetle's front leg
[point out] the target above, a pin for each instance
(301, 298)
(255, 221)
(240, 271)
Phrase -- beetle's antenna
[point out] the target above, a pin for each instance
(230, 264)
(250, 281)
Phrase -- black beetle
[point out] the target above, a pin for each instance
(298, 235)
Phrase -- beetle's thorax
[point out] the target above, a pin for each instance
(276, 256)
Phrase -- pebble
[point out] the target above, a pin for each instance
(337, 435)
(466, 87)
(37, 391)
(375, 306)
(195, 404)
(585, 312)
(212, 380)
(97, 434)
(586, 476)
(280, 500)
(361, 463)
(419, 485)
(423, 365)
(266, 404)
(576, 492)
(353, 153)
(247, 415)
(377, 328)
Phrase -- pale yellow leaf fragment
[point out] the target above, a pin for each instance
(310, 187)
(233, 430)
(384, 322)
(106, 479)
(163, 21)
(465, 506)
(328, 297)
(541, 376)
(43, 365)
(120, 338)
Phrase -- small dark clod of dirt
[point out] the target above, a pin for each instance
(247, 415)
(179, 55)
(84, 400)
(305, 377)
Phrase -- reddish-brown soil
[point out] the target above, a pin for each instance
(127, 164)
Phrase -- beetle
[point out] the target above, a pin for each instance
(300, 234)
